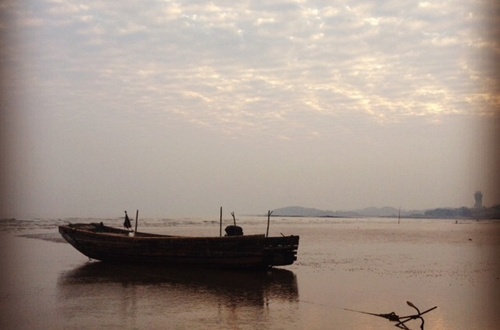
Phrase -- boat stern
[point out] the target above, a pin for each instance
(281, 251)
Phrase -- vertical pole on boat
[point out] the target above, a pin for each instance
(268, 221)
(136, 219)
(220, 220)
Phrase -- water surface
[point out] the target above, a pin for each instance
(372, 265)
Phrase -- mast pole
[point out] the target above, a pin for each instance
(220, 217)
(268, 221)
(136, 219)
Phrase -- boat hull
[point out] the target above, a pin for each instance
(100, 242)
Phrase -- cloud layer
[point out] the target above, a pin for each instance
(282, 70)
(265, 63)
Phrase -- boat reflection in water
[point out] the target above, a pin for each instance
(152, 296)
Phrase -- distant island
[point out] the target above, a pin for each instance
(392, 212)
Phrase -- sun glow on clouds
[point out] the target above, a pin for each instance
(286, 57)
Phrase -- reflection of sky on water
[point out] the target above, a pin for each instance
(154, 296)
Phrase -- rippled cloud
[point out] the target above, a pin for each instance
(252, 64)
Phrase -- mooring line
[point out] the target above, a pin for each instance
(320, 304)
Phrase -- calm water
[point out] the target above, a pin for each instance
(371, 265)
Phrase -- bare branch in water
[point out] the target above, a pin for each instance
(401, 320)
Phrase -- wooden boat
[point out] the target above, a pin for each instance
(109, 244)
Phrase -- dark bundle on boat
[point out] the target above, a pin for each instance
(234, 230)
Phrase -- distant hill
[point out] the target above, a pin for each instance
(298, 211)
(387, 211)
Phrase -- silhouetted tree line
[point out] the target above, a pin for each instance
(463, 212)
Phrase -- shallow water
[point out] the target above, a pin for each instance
(371, 265)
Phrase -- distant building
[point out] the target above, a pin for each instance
(478, 196)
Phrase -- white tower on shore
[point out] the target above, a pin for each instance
(478, 196)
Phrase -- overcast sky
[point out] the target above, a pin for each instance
(176, 108)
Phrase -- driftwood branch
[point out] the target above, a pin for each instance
(401, 320)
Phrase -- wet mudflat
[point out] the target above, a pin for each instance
(371, 265)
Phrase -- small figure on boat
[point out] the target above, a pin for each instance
(127, 223)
